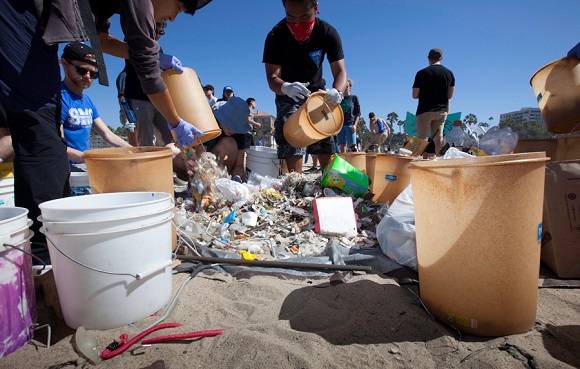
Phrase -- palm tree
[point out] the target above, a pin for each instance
(470, 119)
(401, 123)
(490, 119)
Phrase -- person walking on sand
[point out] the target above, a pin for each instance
(293, 54)
(434, 87)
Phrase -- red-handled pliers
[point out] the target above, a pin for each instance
(120, 346)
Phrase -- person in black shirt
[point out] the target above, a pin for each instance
(434, 87)
(293, 54)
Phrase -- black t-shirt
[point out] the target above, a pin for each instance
(133, 89)
(351, 108)
(434, 83)
(302, 61)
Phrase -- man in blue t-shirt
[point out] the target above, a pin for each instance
(79, 114)
(293, 54)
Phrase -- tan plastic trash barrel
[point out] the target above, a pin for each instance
(557, 89)
(568, 148)
(356, 159)
(190, 102)
(549, 145)
(131, 169)
(313, 121)
(478, 223)
(388, 175)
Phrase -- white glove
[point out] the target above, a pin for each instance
(333, 96)
(296, 90)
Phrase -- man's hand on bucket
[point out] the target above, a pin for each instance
(296, 90)
(185, 133)
(333, 96)
(167, 61)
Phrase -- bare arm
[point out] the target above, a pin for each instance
(253, 123)
(113, 46)
(102, 130)
(338, 70)
(275, 83)
(416, 91)
(450, 92)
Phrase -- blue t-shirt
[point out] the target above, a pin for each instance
(78, 114)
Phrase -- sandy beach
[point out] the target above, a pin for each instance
(359, 320)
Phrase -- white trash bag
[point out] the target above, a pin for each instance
(396, 231)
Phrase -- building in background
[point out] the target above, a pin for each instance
(523, 115)
(266, 132)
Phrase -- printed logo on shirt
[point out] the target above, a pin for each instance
(316, 57)
(80, 117)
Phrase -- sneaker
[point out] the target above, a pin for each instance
(311, 170)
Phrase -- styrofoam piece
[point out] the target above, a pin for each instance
(334, 216)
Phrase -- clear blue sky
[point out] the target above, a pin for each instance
(493, 47)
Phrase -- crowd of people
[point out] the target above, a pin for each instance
(45, 120)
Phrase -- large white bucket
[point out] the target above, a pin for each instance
(109, 279)
(18, 303)
(7, 191)
(104, 206)
(264, 161)
(141, 219)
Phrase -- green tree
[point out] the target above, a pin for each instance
(401, 123)
(470, 119)
(363, 132)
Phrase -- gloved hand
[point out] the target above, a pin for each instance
(185, 133)
(575, 51)
(296, 90)
(167, 61)
(333, 96)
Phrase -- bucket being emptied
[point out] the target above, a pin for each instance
(108, 278)
(557, 89)
(18, 306)
(479, 226)
(313, 121)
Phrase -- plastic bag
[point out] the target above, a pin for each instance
(498, 141)
(396, 232)
(235, 192)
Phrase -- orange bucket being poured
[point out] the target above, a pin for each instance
(190, 102)
(313, 121)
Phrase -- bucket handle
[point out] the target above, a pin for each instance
(137, 276)
(507, 162)
(15, 247)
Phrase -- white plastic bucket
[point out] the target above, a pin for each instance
(79, 184)
(18, 307)
(106, 225)
(125, 275)
(264, 161)
(7, 191)
(103, 206)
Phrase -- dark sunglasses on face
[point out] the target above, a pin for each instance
(83, 71)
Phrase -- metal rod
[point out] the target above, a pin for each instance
(272, 263)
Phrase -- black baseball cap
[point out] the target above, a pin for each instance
(435, 54)
(371, 115)
(79, 51)
(208, 87)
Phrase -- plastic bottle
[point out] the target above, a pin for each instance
(456, 137)
(129, 113)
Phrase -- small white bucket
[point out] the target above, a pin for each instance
(79, 184)
(103, 206)
(18, 306)
(109, 279)
(7, 191)
(106, 225)
(264, 161)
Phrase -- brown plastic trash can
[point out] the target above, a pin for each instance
(557, 89)
(479, 225)
(131, 169)
(190, 102)
(313, 121)
(388, 175)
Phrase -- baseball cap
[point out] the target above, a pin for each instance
(79, 51)
(208, 87)
(233, 115)
(435, 54)
(192, 5)
(371, 115)
(228, 88)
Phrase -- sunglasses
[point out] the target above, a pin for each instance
(83, 71)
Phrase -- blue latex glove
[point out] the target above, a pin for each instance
(167, 61)
(185, 133)
(575, 51)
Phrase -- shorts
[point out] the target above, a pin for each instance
(325, 146)
(346, 136)
(430, 122)
(240, 139)
(379, 138)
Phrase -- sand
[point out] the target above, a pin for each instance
(368, 322)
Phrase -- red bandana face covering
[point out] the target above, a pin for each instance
(301, 31)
